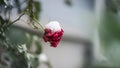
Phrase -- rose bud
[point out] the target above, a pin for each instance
(53, 33)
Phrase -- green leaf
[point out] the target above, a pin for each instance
(17, 36)
(35, 62)
(37, 10)
(39, 47)
(29, 40)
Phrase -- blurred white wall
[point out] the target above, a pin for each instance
(66, 55)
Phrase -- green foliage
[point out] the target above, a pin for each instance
(35, 62)
(39, 48)
(37, 9)
(110, 38)
(18, 36)
(110, 35)
(9, 55)
(15, 46)
(113, 5)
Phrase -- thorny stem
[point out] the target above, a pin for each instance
(30, 8)
(43, 27)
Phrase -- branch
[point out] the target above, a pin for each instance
(17, 19)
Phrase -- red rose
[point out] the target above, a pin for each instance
(53, 33)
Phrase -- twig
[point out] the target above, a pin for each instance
(17, 19)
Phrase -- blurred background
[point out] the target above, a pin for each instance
(91, 32)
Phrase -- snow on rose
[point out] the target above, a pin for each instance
(53, 33)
